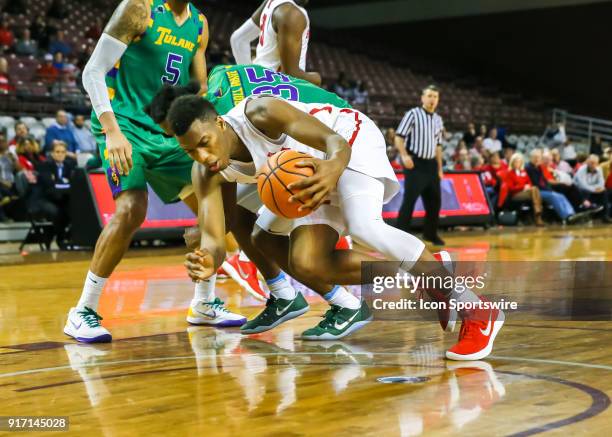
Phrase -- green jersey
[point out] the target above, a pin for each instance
(228, 85)
(161, 55)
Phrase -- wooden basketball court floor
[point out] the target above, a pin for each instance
(162, 377)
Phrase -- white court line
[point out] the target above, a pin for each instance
(190, 357)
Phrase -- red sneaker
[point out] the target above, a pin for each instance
(447, 317)
(344, 243)
(478, 331)
(222, 274)
(245, 274)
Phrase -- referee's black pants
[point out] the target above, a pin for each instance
(422, 180)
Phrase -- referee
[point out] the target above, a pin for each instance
(418, 142)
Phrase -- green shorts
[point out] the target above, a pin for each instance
(158, 160)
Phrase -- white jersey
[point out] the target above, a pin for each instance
(268, 55)
(369, 155)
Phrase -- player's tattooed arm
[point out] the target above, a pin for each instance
(129, 20)
(275, 117)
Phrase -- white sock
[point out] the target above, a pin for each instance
(205, 290)
(92, 289)
(281, 288)
(341, 297)
(243, 257)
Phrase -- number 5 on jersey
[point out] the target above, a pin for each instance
(173, 71)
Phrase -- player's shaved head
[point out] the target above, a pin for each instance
(186, 109)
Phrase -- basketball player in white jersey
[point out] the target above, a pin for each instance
(283, 29)
(351, 170)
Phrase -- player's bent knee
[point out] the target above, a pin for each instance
(131, 208)
(306, 265)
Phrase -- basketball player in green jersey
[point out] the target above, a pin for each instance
(146, 44)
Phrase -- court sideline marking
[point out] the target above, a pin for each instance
(186, 357)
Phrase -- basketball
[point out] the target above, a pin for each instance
(275, 176)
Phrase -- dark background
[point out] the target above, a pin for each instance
(562, 54)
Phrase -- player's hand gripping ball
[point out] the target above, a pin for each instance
(275, 176)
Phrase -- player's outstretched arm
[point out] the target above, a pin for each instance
(290, 24)
(204, 261)
(275, 117)
(198, 66)
(128, 21)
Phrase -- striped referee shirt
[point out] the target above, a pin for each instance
(423, 132)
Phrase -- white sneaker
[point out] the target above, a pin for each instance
(213, 313)
(84, 326)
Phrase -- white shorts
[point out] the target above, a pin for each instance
(248, 197)
(354, 183)
(330, 215)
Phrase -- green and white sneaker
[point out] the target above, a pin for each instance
(339, 322)
(277, 311)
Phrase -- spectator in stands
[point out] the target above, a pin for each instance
(549, 133)
(55, 176)
(65, 89)
(606, 169)
(86, 54)
(7, 39)
(5, 80)
(47, 72)
(21, 132)
(9, 166)
(59, 45)
(558, 164)
(341, 86)
(392, 154)
(483, 131)
(596, 146)
(560, 136)
(462, 159)
(580, 160)
(558, 201)
(389, 134)
(41, 32)
(520, 187)
(15, 7)
(26, 46)
(590, 180)
(508, 151)
(86, 142)
(489, 180)
(496, 165)
(562, 182)
(477, 148)
(58, 62)
(568, 152)
(29, 154)
(469, 136)
(58, 10)
(491, 143)
(60, 130)
(360, 94)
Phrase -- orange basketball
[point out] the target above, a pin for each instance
(279, 171)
